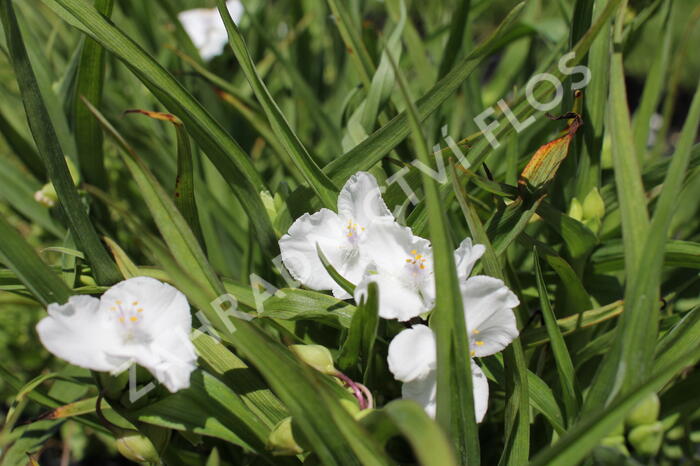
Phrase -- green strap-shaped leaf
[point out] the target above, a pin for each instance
(90, 82)
(455, 397)
(48, 146)
(319, 182)
(359, 344)
(577, 442)
(565, 368)
(223, 151)
(17, 254)
(382, 141)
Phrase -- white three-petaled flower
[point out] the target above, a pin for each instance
(343, 237)
(491, 324)
(206, 28)
(138, 320)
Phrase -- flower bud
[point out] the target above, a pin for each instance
(316, 356)
(576, 210)
(593, 205)
(47, 194)
(135, 446)
(281, 441)
(616, 442)
(646, 439)
(646, 412)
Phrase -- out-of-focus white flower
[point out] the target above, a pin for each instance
(342, 237)
(139, 320)
(206, 28)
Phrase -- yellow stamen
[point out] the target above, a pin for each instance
(113, 308)
(133, 319)
(479, 343)
(121, 319)
(118, 302)
(135, 303)
(414, 252)
(476, 332)
(473, 353)
(139, 309)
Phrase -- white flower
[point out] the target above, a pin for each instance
(413, 361)
(403, 270)
(206, 28)
(138, 320)
(491, 324)
(488, 310)
(340, 236)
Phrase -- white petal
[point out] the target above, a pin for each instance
(422, 391)
(170, 358)
(361, 201)
(77, 333)
(206, 28)
(488, 309)
(397, 299)
(481, 392)
(299, 254)
(412, 353)
(155, 305)
(235, 9)
(466, 256)
(390, 245)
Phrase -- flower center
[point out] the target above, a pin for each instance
(473, 343)
(353, 232)
(128, 317)
(416, 262)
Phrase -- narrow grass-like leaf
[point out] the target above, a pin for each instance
(18, 190)
(382, 141)
(170, 222)
(223, 151)
(17, 254)
(565, 368)
(90, 82)
(47, 143)
(23, 149)
(632, 354)
(318, 181)
(184, 179)
(349, 31)
(427, 440)
(586, 434)
(359, 344)
(455, 399)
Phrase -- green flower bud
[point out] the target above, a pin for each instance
(616, 442)
(281, 441)
(646, 412)
(576, 210)
(316, 356)
(673, 452)
(350, 406)
(47, 194)
(137, 447)
(646, 439)
(593, 205)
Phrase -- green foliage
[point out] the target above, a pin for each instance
(599, 238)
